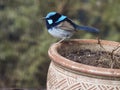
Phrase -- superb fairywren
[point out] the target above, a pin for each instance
(62, 27)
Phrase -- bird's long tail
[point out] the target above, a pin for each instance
(86, 28)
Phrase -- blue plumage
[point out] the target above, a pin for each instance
(50, 21)
(50, 14)
(61, 19)
(86, 28)
(62, 27)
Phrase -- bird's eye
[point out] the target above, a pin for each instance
(50, 21)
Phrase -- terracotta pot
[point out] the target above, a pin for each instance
(65, 74)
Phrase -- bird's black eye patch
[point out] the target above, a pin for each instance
(55, 17)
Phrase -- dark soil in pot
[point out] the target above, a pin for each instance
(91, 54)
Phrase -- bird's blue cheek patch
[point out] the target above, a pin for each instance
(50, 21)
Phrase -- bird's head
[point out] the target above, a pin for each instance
(54, 18)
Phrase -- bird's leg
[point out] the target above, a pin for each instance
(61, 40)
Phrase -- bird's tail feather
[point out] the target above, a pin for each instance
(86, 28)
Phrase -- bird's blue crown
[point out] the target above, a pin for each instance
(50, 14)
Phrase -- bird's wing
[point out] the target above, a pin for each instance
(65, 26)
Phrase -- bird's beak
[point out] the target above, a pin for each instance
(43, 18)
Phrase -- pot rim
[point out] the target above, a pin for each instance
(57, 58)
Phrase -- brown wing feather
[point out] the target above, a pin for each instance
(66, 26)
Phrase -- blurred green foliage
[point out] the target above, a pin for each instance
(24, 40)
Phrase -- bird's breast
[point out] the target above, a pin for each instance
(60, 33)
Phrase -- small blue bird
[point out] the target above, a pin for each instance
(60, 26)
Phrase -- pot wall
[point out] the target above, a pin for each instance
(64, 74)
(60, 78)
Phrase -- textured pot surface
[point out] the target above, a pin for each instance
(64, 74)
